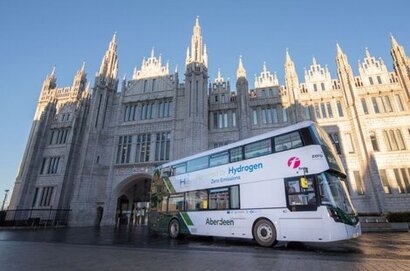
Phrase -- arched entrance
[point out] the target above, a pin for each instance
(133, 201)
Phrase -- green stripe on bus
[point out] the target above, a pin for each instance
(187, 219)
(169, 185)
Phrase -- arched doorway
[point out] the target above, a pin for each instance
(133, 201)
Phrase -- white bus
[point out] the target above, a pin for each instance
(284, 185)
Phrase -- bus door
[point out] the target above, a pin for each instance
(301, 219)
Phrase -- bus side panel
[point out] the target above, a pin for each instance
(311, 227)
(264, 194)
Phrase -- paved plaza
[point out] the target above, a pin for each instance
(113, 249)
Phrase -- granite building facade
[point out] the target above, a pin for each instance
(93, 151)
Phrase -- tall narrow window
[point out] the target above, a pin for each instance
(285, 115)
(274, 115)
(334, 137)
(400, 141)
(162, 146)
(339, 109)
(373, 139)
(124, 149)
(233, 119)
(385, 181)
(399, 102)
(143, 147)
(387, 104)
(364, 106)
(406, 179)
(375, 105)
(349, 143)
(323, 108)
(255, 117)
(359, 183)
(329, 110)
(400, 185)
(317, 111)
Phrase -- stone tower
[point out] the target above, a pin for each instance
(192, 133)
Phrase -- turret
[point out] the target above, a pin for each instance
(401, 64)
(242, 88)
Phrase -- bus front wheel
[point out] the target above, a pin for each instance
(173, 228)
(264, 233)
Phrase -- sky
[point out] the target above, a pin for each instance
(37, 35)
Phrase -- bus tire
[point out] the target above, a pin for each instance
(174, 229)
(264, 233)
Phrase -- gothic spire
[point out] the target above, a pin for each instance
(198, 50)
(240, 72)
(109, 63)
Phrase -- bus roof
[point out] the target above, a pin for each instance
(279, 131)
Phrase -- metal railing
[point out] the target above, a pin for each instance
(34, 217)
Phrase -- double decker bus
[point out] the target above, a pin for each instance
(284, 185)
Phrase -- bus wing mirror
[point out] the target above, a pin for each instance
(304, 183)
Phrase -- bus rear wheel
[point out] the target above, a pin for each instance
(264, 233)
(173, 229)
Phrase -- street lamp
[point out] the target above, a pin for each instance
(5, 197)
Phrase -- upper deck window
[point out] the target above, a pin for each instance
(258, 148)
(288, 141)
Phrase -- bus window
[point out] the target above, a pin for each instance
(299, 196)
(288, 141)
(224, 198)
(234, 199)
(258, 148)
(236, 154)
(197, 164)
(178, 169)
(219, 159)
(176, 203)
(197, 200)
(219, 198)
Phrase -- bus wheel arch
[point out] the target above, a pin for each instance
(174, 228)
(264, 232)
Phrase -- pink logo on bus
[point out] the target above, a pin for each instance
(294, 162)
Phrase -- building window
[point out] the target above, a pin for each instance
(406, 178)
(385, 181)
(399, 102)
(285, 115)
(375, 105)
(274, 113)
(322, 86)
(50, 165)
(124, 149)
(329, 110)
(349, 143)
(359, 183)
(379, 80)
(339, 108)
(162, 146)
(386, 104)
(145, 86)
(164, 109)
(373, 140)
(143, 148)
(334, 137)
(255, 117)
(371, 81)
(323, 108)
(394, 140)
(401, 187)
(233, 119)
(317, 111)
(364, 106)
(153, 84)
(46, 195)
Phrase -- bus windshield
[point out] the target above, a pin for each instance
(333, 192)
